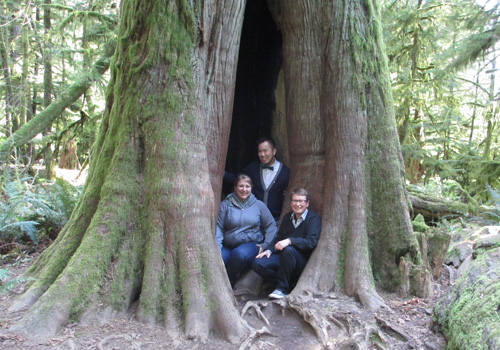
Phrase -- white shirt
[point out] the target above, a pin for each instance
(269, 175)
(297, 222)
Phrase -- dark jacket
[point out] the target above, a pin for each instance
(274, 196)
(305, 237)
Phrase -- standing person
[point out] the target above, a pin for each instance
(270, 177)
(245, 228)
(297, 237)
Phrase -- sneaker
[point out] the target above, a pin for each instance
(277, 294)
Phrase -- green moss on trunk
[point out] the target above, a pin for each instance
(144, 227)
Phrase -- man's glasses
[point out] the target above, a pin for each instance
(297, 201)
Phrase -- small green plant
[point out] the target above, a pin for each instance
(6, 284)
(4, 275)
(30, 209)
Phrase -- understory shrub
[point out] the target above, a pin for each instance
(31, 209)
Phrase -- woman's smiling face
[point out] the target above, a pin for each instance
(243, 190)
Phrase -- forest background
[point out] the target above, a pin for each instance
(443, 63)
(55, 57)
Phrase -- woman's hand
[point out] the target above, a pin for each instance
(266, 253)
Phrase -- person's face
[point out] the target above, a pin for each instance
(243, 190)
(299, 204)
(266, 153)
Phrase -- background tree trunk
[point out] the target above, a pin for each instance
(47, 84)
(4, 56)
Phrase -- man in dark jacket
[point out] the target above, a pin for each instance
(297, 237)
(269, 176)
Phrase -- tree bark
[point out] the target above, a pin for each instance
(341, 129)
(144, 227)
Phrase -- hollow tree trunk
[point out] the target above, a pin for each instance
(144, 227)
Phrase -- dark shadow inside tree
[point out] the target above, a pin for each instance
(259, 63)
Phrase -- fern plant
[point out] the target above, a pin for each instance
(31, 209)
(6, 284)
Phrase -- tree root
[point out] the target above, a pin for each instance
(256, 333)
(315, 319)
(338, 323)
(392, 329)
(257, 306)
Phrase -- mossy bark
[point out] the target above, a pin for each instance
(143, 229)
(341, 129)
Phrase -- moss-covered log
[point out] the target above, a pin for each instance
(434, 209)
(469, 313)
(44, 119)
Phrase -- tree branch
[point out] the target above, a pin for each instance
(45, 118)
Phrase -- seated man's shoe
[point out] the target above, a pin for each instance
(277, 294)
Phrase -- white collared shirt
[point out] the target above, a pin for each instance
(297, 222)
(269, 175)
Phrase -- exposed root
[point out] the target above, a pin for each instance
(370, 299)
(392, 329)
(338, 323)
(257, 306)
(26, 300)
(316, 319)
(374, 333)
(257, 333)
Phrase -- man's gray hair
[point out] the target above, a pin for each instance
(301, 192)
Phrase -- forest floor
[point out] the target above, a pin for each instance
(331, 321)
(406, 323)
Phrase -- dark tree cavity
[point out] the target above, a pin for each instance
(259, 64)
